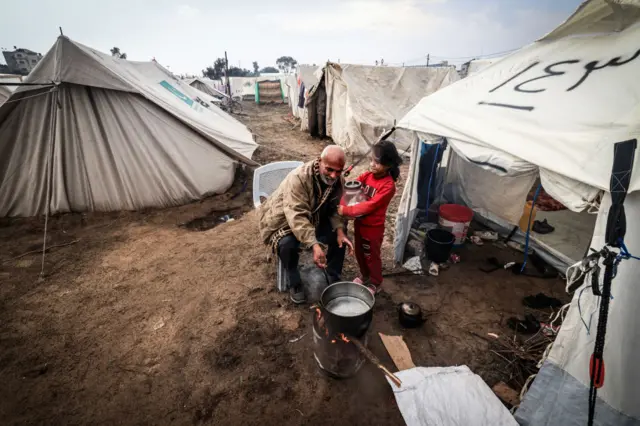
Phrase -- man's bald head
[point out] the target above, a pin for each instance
(332, 162)
(333, 153)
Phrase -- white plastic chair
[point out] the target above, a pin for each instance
(266, 179)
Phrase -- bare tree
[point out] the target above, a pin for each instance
(286, 64)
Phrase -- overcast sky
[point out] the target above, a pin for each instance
(188, 35)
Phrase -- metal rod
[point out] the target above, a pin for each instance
(27, 84)
(375, 361)
(53, 129)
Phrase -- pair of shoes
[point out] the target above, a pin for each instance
(542, 227)
(296, 294)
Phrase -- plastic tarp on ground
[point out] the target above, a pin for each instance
(127, 135)
(558, 106)
(363, 100)
(448, 396)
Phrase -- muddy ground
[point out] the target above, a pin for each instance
(142, 319)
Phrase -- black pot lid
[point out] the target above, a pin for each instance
(410, 308)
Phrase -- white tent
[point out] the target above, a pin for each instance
(110, 134)
(206, 86)
(363, 101)
(555, 109)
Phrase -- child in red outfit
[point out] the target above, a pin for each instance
(379, 187)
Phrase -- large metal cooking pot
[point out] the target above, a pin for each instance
(347, 308)
(344, 308)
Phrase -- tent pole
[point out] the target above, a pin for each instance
(53, 129)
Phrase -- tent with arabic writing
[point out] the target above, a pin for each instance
(553, 111)
(103, 134)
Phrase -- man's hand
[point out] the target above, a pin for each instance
(319, 258)
(343, 240)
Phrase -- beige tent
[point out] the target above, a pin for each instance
(109, 134)
(363, 100)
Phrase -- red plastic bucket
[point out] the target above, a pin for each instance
(456, 219)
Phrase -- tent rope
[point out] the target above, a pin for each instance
(29, 97)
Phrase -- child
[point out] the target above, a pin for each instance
(379, 187)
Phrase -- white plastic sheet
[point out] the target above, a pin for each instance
(448, 396)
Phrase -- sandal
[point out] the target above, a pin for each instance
(542, 227)
(434, 269)
(374, 289)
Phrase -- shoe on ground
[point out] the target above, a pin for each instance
(374, 289)
(542, 227)
(297, 295)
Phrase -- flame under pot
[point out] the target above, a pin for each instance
(346, 312)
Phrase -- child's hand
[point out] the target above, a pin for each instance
(340, 209)
(343, 240)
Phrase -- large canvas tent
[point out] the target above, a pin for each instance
(554, 110)
(363, 101)
(109, 134)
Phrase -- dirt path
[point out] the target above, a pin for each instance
(143, 321)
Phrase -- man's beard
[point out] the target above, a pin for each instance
(327, 180)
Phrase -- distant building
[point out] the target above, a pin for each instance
(21, 61)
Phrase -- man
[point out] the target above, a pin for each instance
(303, 211)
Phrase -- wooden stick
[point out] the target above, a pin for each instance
(40, 250)
(375, 361)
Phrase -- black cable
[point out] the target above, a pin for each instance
(597, 359)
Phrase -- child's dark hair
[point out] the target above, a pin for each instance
(386, 154)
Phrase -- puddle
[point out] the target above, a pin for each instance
(202, 223)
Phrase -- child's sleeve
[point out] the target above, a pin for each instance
(383, 196)
(363, 177)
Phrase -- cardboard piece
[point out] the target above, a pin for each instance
(398, 351)
(506, 393)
